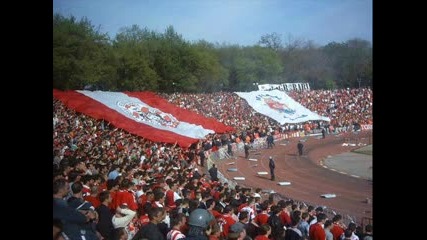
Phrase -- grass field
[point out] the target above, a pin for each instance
(364, 150)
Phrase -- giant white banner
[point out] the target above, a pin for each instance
(279, 106)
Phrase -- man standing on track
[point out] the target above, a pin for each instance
(270, 140)
(213, 171)
(300, 147)
(246, 147)
(272, 167)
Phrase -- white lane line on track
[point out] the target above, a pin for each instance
(324, 166)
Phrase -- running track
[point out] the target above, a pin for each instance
(308, 178)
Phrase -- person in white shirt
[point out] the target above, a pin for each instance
(351, 228)
(328, 226)
(123, 218)
(177, 222)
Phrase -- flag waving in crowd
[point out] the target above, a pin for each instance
(279, 106)
(144, 114)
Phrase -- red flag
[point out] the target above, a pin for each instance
(144, 114)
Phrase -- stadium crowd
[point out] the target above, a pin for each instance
(110, 184)
(345, 108)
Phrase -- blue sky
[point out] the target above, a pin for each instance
(240, 22)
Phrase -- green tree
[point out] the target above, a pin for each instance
(249, 65)
(80, 54)
(211, 75)
(140, 59)
(351, 60)
(304, 62)
(228, 55)
(134, 67)
(272, 41)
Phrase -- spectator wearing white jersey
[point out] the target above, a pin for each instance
(177, 223)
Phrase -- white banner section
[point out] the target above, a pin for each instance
(279, 106)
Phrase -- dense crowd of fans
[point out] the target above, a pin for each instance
(345, 108)
(109, 184)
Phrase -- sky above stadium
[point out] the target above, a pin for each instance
(240, 22)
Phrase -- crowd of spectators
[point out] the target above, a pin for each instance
(342, 106)
(109, 184)
(345, 108)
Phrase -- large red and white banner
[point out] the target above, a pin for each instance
(144, 114)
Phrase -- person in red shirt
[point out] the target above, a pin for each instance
(316, 231)
(143, 215)
(113, 188)
(211, 207)
(148, 197)
(228, 220)
(262, 218)
(338, 228)
(93, 197)
(171, 195)
(285, 213)
(126, 195)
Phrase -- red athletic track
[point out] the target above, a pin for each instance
(308, 179)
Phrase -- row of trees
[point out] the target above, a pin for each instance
(138, 59)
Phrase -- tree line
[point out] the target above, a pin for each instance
(139, 59)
